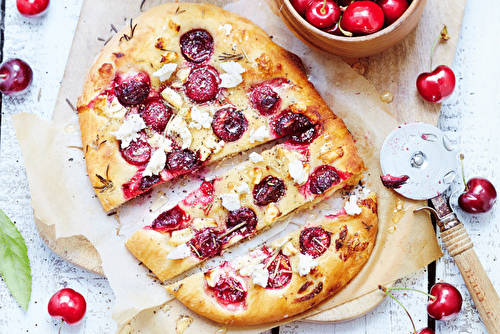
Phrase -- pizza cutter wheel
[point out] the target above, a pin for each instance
(424, 154)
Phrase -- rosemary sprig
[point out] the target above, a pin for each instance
(132, 30)
(231, 56)
(107, 183)
(179, 10)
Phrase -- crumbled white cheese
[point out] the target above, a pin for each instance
(172, 97)
(156, 163)
(232, 77)
(260, 275)
(366, 192)
(351, 207)
(115, 110)
(180, 252)
(231, 201)
(165, 71)
(201, 223)
(297, 171)
(162, 142)
(227, 28)
(178, 125)
(325, 148)
(243, 188)
(256, 157)
(200, 119)
(289, 250)
(260, 134)
(306, 264)
(212, 276)
(129, 130)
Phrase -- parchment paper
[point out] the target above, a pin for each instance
(62, 196)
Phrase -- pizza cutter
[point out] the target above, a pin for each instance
(426, 156)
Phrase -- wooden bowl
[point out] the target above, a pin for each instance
(351, 47)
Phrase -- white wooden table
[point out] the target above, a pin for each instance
(471, 118)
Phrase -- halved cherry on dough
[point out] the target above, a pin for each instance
(156, 114)
(290, 123)
(229, 124)
(280, 272)
(305, 137)
(203, 84)
(169, 220)
(137, 153)
(265, 99)
(241, 221)
(227, 290)
(270, 189)
(314, 241)
(132, 89)
(181, 161)
(206, 244)
(322, 179)
(149, 181)
(197, 45)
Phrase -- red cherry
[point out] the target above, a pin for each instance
(479, 196)
(301, 6)
(323, 13)
(426, 330)
(68, 305)
(362, 18)
(437, 85)
(15, 77)
(32, 8)
(393, 9)
(447, 302)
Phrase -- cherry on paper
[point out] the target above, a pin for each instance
(32, 8)
(15, 77)
(447, 302)
(323, 14)
(68, 305)
(362, 18)
(479, 196)
(438, 85)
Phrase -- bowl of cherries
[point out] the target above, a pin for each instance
(351, 28)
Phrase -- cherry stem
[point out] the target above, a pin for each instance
(60, 327)
(409, 289)
(3, 76)
(386, 291)
(462, 157)
(443, 35)
(344, 32)
(323, 10)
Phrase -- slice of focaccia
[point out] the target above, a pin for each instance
(182, 86)
(285, 277)
(247, 199)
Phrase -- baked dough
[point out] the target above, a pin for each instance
(247, 199)
(164, 98)
(285, 277)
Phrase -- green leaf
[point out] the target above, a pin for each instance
(14, 262)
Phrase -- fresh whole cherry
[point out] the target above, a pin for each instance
(393, 9)
(15, 77)
(479, 196)
(32, 8)
(68, 305)
(438, 85)
(362, 18)
(301, 6)
(446, 302)
(323, 14)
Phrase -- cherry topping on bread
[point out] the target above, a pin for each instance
(314, 241)
(149, 181)
(280, 272)
(265, 99)
(132, 89)
(304, 137)
(228, 291)
(206, 244)
(137, 153)
(291, 123)
(181, 160)
(203, 84)
(197, 45)
(242, 221)
(322, 179)
(156, 114)
(229, 124)
(169, 220)
(270, 189)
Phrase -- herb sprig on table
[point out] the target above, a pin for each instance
(14, 262)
